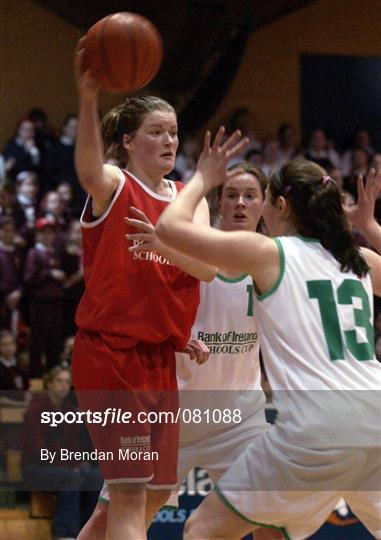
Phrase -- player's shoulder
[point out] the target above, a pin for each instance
(179, 184)
(370, 256)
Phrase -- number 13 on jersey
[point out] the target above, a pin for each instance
(322, 291)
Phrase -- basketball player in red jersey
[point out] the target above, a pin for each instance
(138, 307)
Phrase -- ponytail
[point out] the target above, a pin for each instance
(317, 212)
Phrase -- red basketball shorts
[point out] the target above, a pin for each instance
(130, 399)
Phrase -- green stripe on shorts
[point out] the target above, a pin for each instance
(228, 503)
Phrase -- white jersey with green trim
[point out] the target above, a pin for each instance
(231, 378)
(316, 328)
(225, 323)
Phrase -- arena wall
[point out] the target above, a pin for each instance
(37, 47)
(36, 65)
(268, 79)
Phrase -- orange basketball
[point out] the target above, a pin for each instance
(123, 52)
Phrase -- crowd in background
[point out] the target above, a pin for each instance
(41, 278)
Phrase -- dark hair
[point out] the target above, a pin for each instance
(9, 188)
(235, 119)
(317, 211)
(283, 128)
(67, 119)
(37, 114)
(127, 118)
(21, 121)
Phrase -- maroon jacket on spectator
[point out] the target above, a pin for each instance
(13, 380)
(10, 270)
(39, 264)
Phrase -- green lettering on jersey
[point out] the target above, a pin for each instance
(348, 290)
(322, 291)
(250, 291)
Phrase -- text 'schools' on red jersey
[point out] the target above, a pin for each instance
(139, 297)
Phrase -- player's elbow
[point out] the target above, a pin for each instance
(209, 274)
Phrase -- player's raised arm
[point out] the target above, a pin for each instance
(99, 180)
(148, 241)
(241, 250)
(361, 215)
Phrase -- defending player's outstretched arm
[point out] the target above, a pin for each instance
(146, 235)
(237, 251)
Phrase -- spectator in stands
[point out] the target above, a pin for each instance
(70, 209)
(27, 187)
(14, 382)
(44, 279)
(242, 119)
(360, 165)
(52, 208)
(11, 260)
(27, 196)
(271, 161)
(67, 352)
(187, 157)
(10, 207)
(287, 142)
(255, 157)
(73, 285)
(320, 152)
(60, 161)
(376, 161)
(22, 153)
(360, 140)
(70, 479)
(44, 134)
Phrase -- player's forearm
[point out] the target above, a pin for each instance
(197, 269)
(89, 155)
(178, 215)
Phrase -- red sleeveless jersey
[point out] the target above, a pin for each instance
(133, 297)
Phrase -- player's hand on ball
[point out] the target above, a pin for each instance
(197, 350)
(146, 235)
(215, 156)
(87, 87)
